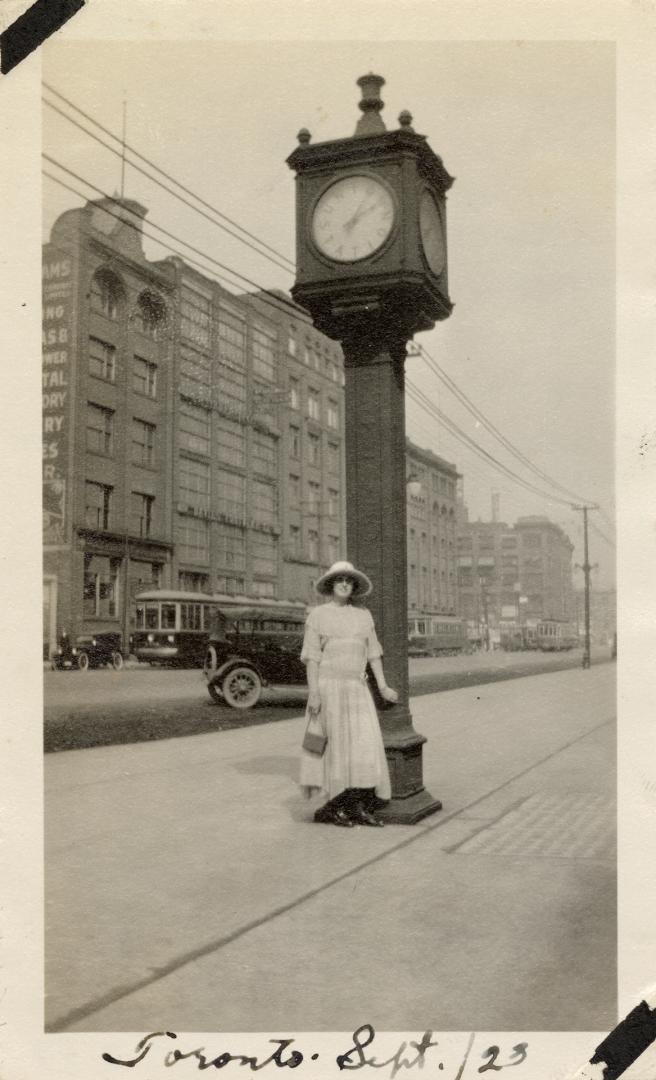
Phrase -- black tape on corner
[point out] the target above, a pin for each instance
(32, 28)
(627, 1041)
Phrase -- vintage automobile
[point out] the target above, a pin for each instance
(88, 651)
(253, 647)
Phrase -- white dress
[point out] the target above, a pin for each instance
(342, 638)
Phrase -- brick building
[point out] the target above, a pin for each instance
(192, 438)
(432, 490)
(520, 573)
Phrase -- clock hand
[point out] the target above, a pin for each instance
(360, 212)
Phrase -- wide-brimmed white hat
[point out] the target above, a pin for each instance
(362, 585)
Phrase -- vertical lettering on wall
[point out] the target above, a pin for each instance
(57, 297)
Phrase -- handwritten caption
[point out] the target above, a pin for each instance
(410, 1054)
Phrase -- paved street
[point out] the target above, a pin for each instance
(104, 707)
(188, 888)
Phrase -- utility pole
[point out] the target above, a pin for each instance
(586, 568)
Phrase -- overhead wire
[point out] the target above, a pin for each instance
(433, 365)
(126, 146)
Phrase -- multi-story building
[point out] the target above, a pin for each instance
(193, 439)
(520, 573)
(432, 490)
(603, 614)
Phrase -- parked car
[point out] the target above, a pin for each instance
(250, 648)
(88, 651)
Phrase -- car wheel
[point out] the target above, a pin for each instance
(242, 688)
(117, 661)
(83, 661)
(211, 661)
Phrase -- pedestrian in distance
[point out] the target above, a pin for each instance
(343, 757)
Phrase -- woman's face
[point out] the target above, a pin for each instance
(343, 587)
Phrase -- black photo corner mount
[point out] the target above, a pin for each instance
(32, 28)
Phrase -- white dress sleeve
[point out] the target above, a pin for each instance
(374, 649)
(311, 642)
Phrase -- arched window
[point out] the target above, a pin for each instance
(150, 316)
(106, 294)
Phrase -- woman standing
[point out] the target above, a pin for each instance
(340, 639)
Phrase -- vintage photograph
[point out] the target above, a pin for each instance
(329, 596)
(328, 547)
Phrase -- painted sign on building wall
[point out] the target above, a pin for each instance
(57, 292)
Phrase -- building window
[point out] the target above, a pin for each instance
(294, 394)
(232, 391)
(333, 503)
(150, 315)
(314, 449)
(100, 589)
(332, 413)
(264, 589)
(313, 545)
(194, 484)
(230, 547)
(192, 582)
(265, 553)
(141, 513)
(314, 496)
(102, 360)
(232, 335)
(194, 372)
(313, 406)
(291, 341)
(144, 377)
(195, 315)
(143, 442)
(294, 540)
(231, 443)
(193, 539)
(264, 503)
(194, 426)
(294, 441)
(333, 457)
(294, 490)
(265, 454)
(97, 505)
(230, 494)
(264, 354)
(332, 549)
(100, 429)
(106, 295)
(230, 585)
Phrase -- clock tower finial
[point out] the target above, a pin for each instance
(371, 122)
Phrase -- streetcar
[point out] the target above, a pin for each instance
(516, 637)
(173, 627)
(436, 635)
(555, 635)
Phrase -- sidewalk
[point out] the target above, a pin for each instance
(188, 888)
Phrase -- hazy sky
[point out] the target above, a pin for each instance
(527, 130)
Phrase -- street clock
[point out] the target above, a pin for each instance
(371, 225)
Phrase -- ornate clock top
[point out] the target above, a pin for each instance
(371, 122)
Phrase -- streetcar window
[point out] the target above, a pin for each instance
(152, 617)
(190, 616)
(140, 622)
(168, 616)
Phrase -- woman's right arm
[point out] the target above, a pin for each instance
(314, 701)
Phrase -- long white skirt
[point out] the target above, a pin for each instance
(355, 755)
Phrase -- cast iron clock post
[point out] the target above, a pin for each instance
(371, 270)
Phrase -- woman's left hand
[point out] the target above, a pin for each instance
(389, 695)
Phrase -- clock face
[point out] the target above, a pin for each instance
(431, 228)
(353, 218)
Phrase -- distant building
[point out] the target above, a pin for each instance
(603, 614)
(432, 489)
(193, 439)
(520, 573)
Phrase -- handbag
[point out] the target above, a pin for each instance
(314, 741)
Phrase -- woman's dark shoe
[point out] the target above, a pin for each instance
(333, 815)
(362, 816)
